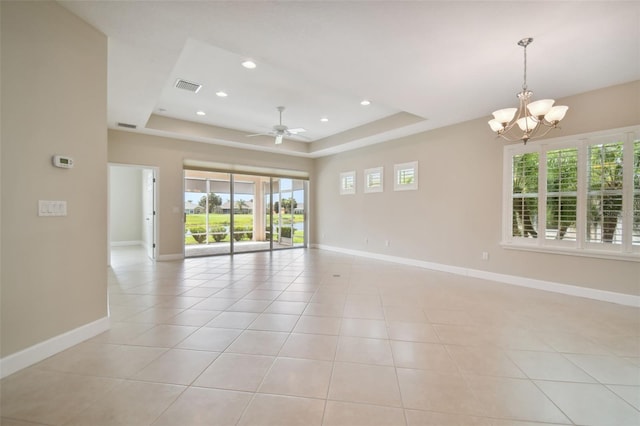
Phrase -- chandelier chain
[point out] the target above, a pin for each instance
(524, 83)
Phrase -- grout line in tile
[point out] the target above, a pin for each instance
(395, 369)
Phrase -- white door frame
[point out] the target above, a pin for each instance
(156, 236)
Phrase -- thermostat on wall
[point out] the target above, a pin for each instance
(62, 161)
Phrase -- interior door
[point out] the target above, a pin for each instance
(148, 211)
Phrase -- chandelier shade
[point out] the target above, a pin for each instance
(504, 115)
(527, 123)
(556, 114)
(540, 108)
(534, 119)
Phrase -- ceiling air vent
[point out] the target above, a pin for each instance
(127, 125)
(188, 85)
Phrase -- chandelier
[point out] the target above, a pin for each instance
(535, 119)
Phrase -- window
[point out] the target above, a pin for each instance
(604, 196)
(524, 195)
(373, 181)
(575, 195)
(406, 176)
(347, 183)
(562, 194)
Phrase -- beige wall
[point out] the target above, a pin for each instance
(53, 102)
(456, 213)
(125, 204)
(168, 155)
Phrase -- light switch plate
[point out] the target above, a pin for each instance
(52, 208)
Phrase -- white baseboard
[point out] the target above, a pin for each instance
(572, 290)
(40, 351)
(168, 257)
(126, 243)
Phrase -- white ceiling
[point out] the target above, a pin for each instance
(423, 64)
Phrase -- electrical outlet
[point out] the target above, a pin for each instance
(387, 243)
(485, 255)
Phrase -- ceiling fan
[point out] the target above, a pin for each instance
(280, 130)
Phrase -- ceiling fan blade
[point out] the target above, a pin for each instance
(258, 134)
(279, 139)
(297, 130)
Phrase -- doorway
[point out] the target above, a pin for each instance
(132, 218)
(227, 213)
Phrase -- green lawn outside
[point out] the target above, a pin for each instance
(241, 220)
(298, 238)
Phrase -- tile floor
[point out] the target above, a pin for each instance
(308, 337)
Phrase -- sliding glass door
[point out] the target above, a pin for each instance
(207, 213)
(249, 224)
(227, 213)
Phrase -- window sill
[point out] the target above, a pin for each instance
(600, 254)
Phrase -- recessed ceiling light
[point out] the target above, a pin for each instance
(365, 102)
(221, 94)
(324, 119)
(201, 113)
(249, 64)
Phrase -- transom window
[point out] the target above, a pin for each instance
(579, 195)
(348, 183)
(373, 180)
(406, 176)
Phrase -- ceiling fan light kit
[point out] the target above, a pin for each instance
(534, 119)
